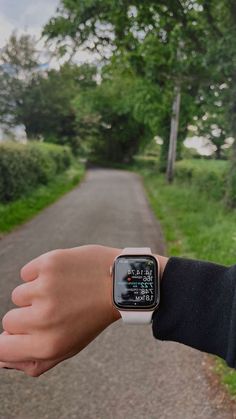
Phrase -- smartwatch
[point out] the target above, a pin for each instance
(136, 285)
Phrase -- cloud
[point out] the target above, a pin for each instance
(24, 15)
(30, 16)
(6, 29)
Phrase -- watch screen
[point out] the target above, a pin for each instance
(135, 282)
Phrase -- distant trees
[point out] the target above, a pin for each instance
(180, 47)
(164, 65)
(18, 63)
(107, 119)
(160, 43)
(41, 100)
(49, 109)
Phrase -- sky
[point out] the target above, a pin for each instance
(24, 16)
(29, 16)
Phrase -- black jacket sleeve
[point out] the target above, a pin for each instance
(198, 307)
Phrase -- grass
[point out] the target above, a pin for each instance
(195, 226)
(227, 377)
(206, 164)
(21, 210)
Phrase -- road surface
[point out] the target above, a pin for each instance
(125, 373)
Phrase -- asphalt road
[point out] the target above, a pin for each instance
(125, 373)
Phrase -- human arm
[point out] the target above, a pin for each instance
(198, 307)
(65, 302)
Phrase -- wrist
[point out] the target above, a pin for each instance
(162, 264)
(162, 261)
(111, 255)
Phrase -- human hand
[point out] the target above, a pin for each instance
(65, 302)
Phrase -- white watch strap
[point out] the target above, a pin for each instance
(135, 316)
(136, 251)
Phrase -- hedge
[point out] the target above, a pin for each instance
(207, 176)
(24, 167)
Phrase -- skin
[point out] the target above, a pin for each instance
(64, 302)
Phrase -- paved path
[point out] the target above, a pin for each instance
(124, 373)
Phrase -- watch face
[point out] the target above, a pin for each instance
(136, 282)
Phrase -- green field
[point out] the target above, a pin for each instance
(21, 210)
(196, 225)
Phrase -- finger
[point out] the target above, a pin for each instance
(13, 365)
(31, 368)
(18, 320)
(30, 271)
(17, 348)
(6, 365)
(34, 368)
(23, 294)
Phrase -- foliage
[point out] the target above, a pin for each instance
(148, 49)
(146, 37)
(195, 226)
(41, 100)
(23, 167)
(212, 121)
(167, 43)
(207, 176)
(227, 377)
(48, 109)
(17, 212)
(19, 61)
(222, 56)
(107, 120)
(231, 183)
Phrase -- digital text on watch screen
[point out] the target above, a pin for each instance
(136, 282)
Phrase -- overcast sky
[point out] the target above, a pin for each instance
(30, 16)
(24, 15)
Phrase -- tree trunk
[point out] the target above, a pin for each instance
(218, 151)
(230, 196)
(173, 133)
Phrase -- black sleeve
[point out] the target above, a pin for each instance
(198, 307)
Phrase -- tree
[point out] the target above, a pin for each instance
(221, 57)
(106, 121)
(165, 27)
(19, 62)
(193, 45)
(212, 122)
(41, 100)
(48, 109)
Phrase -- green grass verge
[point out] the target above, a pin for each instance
(196, 227)
(227, 377)
(17, 212)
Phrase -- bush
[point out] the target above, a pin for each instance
(23, 167)
(208, 176)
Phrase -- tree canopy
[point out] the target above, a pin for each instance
(167, 44)
(164, 66)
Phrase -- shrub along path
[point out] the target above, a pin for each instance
(124, 373)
